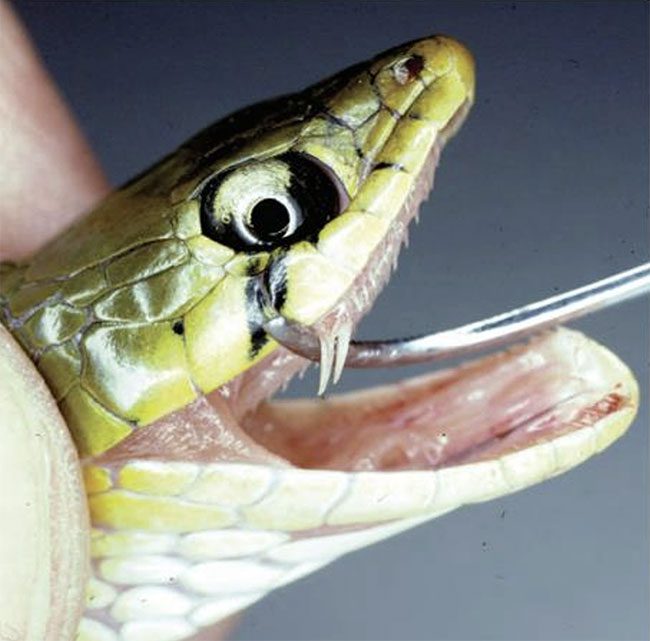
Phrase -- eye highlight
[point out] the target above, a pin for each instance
(270, 203)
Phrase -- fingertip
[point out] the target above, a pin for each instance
(51, 175)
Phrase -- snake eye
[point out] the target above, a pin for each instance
(270, 203)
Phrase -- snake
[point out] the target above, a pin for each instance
(146, 317)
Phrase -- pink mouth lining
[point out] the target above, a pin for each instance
(483, 410)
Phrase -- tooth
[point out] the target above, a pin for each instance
(326, 361)
(342, 344)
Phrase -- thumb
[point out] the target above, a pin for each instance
(45, 534)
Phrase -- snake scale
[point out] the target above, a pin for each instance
(145, 319)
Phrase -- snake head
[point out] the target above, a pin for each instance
(295, 206)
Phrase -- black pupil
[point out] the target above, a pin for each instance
(269, 219)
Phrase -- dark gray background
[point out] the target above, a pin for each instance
(545, 188)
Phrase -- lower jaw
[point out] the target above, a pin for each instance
(406, 453)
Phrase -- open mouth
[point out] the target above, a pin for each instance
(530, 395)
(526, 398)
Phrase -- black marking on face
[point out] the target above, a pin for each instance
(275, 281)
(178, 327)
(389, 165)
(254, 266)
(255, 316)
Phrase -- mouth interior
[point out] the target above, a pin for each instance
(530, 394)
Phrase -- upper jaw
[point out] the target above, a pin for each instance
(380, 134)
(398, 112)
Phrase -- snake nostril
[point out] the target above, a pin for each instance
(406, 71)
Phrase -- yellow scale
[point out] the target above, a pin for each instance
(149, 303)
